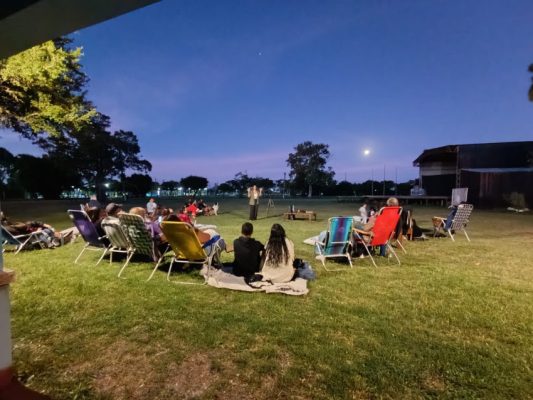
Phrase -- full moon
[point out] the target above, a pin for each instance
(366, 152)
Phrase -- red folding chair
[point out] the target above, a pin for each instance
(382, 232)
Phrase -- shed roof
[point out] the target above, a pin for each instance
(26, 23)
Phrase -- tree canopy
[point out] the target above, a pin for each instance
(42, 90)
(138, 184)
(308, 166)
(195, 183)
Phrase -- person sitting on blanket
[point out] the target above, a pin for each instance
(248, 252)
(279, 257)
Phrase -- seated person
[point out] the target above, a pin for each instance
(445, 223)
(248, 252)
(152, 227)
(206, 237)
(93, 202)
(96, 215)
(184, 216)
(44, 232)
(113, 209)
(279, 257)
(193, 209)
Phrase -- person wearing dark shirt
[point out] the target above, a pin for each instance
(248, 252)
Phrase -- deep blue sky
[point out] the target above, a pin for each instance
(216, 87)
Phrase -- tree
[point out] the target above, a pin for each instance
(7, 163)
(344, 188)
(530, 69)
(138, 184)
(265, 183)
(42, 90)
(195, 183)
(97, 153)
(169, 185)
(225, 187)
(43, 175)
(308, 166)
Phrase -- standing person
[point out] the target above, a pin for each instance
(248, 252)
(151, 206)
(363, 213)
(253, 195)
(279, 257)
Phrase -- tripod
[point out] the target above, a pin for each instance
(270, 205)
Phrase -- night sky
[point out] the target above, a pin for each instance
(216, 87)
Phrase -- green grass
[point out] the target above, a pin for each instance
(455, 320)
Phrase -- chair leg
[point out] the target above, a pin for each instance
(401, 246)
(179, 282)
(155, 268)
(79, 255)
(103, 255)
(394, 253)
(451, 234)
(22, 245)
(126, 263)
(349, 259)
(369, 253)
(466, 234)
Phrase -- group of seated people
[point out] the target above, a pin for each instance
(152, 221)
(273, 261)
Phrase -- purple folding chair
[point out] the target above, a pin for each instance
(88, 232)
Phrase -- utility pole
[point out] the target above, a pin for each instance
(383, 179)
(372, 183)
(396, 181)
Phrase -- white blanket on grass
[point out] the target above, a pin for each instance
(221, 279)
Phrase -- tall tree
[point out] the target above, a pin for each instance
(138, 184)
(195, 183)
(98, 153)
(169, 185)
(7, 166)
(43, 176)
(42, 90)
(308, 166)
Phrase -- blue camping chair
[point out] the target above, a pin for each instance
(88, 232)
(338, 241)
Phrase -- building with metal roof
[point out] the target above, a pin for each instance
(490, 171)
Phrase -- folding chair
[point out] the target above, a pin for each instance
(382, 231)
(338, 241)
(93, 241)
(458, 222)
(138, 237)
(187, 249)
(118, 241)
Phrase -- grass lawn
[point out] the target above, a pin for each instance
(455, 320)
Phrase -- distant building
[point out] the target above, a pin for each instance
(490, 171)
